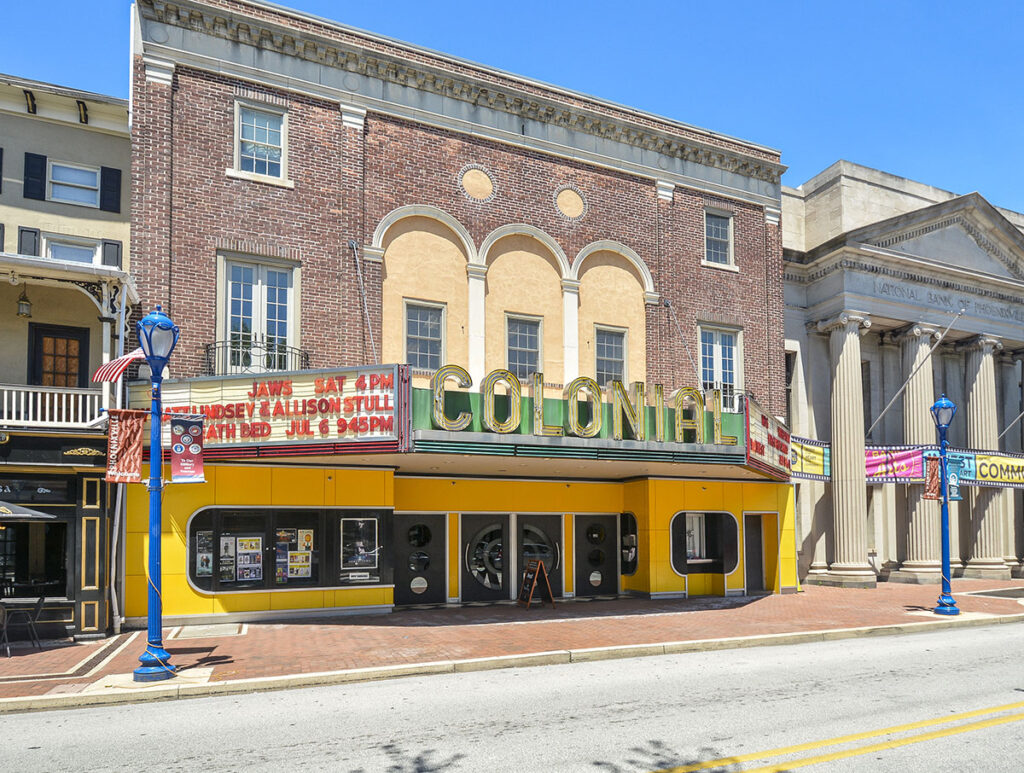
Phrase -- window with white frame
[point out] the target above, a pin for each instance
(261, 141)
(696, 537)
(424, 335)
(718, 238)
(523, 346)
(72, 249)
(719, 363)
(73, 184)
(260, 309)
(610, 347)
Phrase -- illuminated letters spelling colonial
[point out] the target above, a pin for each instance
(628, 408)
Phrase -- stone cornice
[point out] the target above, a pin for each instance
(393, 65)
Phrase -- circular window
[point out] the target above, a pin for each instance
(485, 556)
(570, 203)
(419, 535)
(595, 534)
(419, 561)
(476, 183)
(596, 557)
(418, 585)
(537, 545)
(595, 578)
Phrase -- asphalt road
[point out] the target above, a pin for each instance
(961, 692)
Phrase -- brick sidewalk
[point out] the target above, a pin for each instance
(260, 650)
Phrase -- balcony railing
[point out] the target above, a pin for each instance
(55, 407)
(224, 358)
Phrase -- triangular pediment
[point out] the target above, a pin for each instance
(966, 233)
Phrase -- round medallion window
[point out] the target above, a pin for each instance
(595, 534)
(419, 561)
(485, 556)
(595, 578)
(476, 183)
(570, 203)
(596, 557)
(537, 545)
(419, 535)
(418, 585)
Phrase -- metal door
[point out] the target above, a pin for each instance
(420, 559)
(753, 552)
(597, 555)
(540, 537)
(485, 571)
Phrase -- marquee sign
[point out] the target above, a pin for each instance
(344, 405)
(767, 443)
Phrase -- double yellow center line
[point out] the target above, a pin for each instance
(783, 751)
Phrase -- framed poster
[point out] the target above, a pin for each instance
(249, 560)
(204, 554)
(359, 543)
(227, 559)
(300, 563)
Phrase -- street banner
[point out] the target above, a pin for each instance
(124, 446)
(932, 479)
(810, 459)
(187, 449)
(953, 473)
(894, 464)
(999, 470)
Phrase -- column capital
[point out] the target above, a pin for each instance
(859, 319)
(476, 271)
(919, 331)
(571, 286)
(986, 344)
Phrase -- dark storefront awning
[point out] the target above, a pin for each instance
(13, 512)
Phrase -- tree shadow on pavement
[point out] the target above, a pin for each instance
(424, 761)
(656, 755)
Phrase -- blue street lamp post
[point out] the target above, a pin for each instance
(157, 337)
(943, 412)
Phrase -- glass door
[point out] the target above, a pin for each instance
(485, 571)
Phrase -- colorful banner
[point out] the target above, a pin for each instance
(124, 446)
(998, 470)
(187, 449)
(894, 464)
(811, 459)
(768, 443)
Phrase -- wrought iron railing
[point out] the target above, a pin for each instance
(46, 406)
(224, 358)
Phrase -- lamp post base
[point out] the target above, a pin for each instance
(155, 666)
(947, 606)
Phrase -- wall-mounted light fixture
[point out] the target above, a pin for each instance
(24, 304)
(30, 101)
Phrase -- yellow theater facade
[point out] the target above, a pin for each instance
(350, 490)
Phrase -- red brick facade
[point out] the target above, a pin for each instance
(186, 209)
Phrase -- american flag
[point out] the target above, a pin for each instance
(111, 371)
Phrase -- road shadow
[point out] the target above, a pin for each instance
(657, 755)
(420, 761)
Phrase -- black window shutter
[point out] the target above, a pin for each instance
(35, 176)
(3, 247)
(112, 254)
(1, 180)
(110, 189)
(28, 241)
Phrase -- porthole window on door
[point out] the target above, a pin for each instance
(419, 561)
(419, 535)
(595, 534)
(485, 556)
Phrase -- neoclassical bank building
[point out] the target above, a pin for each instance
(877, 267)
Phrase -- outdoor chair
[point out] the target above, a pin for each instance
(11, 618)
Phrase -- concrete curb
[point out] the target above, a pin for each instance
(162, 691)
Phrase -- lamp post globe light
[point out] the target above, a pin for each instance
(157, 337)
(943, 412)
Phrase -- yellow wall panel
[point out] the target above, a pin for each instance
(241, 602)
(569, 582)
(506, 496)
(181, 599)
(454, 559)
(242, 485)
(311, 599)
(363, 597)
(135, 553)
(297, 487)
(760, 496)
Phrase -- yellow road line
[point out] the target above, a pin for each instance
(889, 744)
(784, 750)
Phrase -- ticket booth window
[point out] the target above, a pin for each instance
(704, 543)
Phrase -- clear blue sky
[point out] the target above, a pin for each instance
(933, 91)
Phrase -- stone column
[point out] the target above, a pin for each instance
(849, 499)
(1010, 394)
(986, 550)
(923, 563)
(477, 278)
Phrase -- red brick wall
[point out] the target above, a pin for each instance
(414, 164)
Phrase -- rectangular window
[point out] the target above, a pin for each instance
(610, 346)
(71, 249)
(696, 540)
(259, 314)
(523, 346)
(260, 138)
(717, 238)
(33, 560)
(424, 336)
(73, 184)
(718, 363)
(59, 356)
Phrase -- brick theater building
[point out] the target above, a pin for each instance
(310, 200)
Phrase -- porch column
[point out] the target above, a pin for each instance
(849, 497)
(570, 329)
(985, 558)
(1010, 391)
(923, 563)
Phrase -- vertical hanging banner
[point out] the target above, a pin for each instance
(187, 449)
(124, 446)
